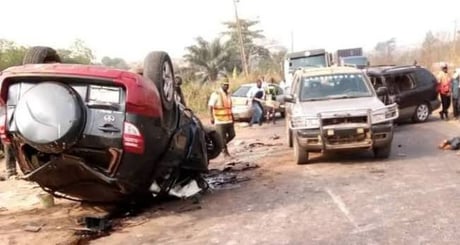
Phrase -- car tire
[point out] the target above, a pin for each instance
(300, 154)
(40, 55)
(214, 143)
(382, 152)
(50, 117)
(421, 114)
(159, 69)
(288, 134)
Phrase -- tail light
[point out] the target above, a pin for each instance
(3, 131)
(133, 141)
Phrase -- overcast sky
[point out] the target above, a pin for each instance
(129, 29)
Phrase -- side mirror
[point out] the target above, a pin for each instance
(289, 98)
(382, 91)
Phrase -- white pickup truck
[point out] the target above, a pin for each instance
(334, 109)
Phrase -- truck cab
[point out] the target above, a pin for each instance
(315, 58)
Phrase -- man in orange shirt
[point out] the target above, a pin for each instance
(220, 108)
(444, 90)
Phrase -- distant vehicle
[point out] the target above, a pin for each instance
(99, 134)
(241, 107)
(413, 88)
(349, 52)
(336, 108)
(305, 59)
(351, 57)
(359, 62)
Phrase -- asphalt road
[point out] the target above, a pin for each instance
(411, 198)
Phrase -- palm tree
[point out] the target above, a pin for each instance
(210, 57)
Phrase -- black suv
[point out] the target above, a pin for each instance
(413, 88)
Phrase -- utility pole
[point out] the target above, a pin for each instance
(454, 43)
(240, 37)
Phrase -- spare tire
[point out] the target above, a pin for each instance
(50, 117)
(39, 55)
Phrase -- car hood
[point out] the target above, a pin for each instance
(338, 105)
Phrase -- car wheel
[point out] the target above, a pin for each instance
(39, 55)
(214, 143)
(50, 117)
(288, 134)
(422, 112)
(300, 154)
(382, 152)
(158, 69)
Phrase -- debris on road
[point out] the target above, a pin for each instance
(94, 227)
(227, 178)
(275, 137)
(33, 228)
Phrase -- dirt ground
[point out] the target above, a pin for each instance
(410, 198)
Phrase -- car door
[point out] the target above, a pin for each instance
(407, 93)
(427, 83)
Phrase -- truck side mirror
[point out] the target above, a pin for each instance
(382, 91)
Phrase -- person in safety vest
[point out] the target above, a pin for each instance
(444, 90)
(220, 107)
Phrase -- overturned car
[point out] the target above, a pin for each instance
(98, 134)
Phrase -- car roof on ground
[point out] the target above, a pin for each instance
(328, 71)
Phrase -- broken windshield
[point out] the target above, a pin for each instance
(337, 86)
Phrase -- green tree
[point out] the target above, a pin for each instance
(210, 57)
(118, 63)
(11, 54)
(77, 53)
(249, 35)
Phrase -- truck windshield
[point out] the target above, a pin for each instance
(337, 86)
(308, 61)
(359, 61)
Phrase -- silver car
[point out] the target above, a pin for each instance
(241, 107)
(336, 108)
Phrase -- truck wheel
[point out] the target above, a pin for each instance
(288, 134)
(40, 55)
(300, 154)
(214, 143)
(382, 152)
(50, 117)
(422, 112)
(159, 69)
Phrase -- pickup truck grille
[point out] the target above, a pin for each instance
(343, 120)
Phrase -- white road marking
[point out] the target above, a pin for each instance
(341, 205)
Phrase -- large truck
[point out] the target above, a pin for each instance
(305, 59)
(351, 57)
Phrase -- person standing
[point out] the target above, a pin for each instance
(455, 92)
(177, 86)
(220, 108)
(444, 90)
(271, 100)
(256, 96)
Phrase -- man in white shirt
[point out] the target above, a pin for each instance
(256, 96)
